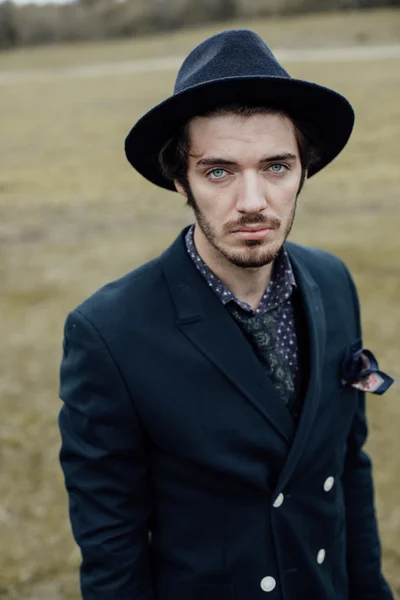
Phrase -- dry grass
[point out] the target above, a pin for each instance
(73, 215)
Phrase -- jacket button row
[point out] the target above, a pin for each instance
(328, 485)
(269, 583)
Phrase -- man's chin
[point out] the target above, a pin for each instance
(253, 257)
(251, 264)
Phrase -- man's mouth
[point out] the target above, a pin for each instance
(256, 232)
(254, 228)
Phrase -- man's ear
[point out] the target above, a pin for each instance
(180, 189)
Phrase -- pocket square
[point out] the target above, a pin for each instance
(360, 370)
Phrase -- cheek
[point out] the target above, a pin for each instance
(201, 191)
(283, 200)
(212, 200)
(289, 185)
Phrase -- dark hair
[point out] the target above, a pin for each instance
(173, 157)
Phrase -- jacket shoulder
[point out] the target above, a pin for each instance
(314, 256)
(125, 296)
(321, 263)
(329, 272)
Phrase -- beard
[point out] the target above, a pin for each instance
(253, 254)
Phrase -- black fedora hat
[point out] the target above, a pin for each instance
(236, 66)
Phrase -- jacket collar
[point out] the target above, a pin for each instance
(204, 320)
(282, 276)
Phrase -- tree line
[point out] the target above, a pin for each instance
(22, 25)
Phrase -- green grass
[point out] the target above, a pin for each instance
(74, 215)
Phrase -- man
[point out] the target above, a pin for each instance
(213, 420)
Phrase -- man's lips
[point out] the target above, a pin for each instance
(256, 232)
(254, 228)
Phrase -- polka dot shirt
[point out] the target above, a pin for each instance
(277, 298)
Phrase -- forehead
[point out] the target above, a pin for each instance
(232, 134)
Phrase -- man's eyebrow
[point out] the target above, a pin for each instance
(212, 162)
(283, 156)
(215, 161)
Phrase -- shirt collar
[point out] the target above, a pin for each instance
(279, 289)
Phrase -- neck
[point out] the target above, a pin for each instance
(248, 285)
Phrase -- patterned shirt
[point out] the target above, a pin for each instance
(278, 295)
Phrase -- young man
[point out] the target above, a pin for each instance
(213, 417)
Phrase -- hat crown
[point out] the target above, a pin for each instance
(231, 53)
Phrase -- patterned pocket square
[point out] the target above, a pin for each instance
(360, 369)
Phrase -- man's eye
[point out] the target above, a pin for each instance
(277, 168)
(216, 173)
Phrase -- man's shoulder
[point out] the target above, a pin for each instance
(329, 272)
(313, 256)
(125, 295)
(320, 263)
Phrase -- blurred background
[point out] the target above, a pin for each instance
(74, 215)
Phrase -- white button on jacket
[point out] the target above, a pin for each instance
(321, 556)
(278, 501)
(268, 584)
(328, 485)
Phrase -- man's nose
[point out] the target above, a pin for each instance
(251, 196)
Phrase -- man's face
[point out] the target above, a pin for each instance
(244, 175)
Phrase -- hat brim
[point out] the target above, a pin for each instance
(329, 112)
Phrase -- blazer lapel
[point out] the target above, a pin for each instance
(204, 320)
(315, 317)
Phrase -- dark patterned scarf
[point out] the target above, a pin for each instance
(261, 333)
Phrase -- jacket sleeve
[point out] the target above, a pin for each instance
(104, 462)
(366, 581)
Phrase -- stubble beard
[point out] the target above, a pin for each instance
(255, 253)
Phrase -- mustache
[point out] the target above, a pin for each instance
(247, 221)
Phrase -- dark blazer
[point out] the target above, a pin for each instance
(187, 478)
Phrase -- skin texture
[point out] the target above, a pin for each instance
(257, 189)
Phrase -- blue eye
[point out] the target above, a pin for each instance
(278, 170)
(217, 173)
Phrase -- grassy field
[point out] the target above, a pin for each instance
(74, 215)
